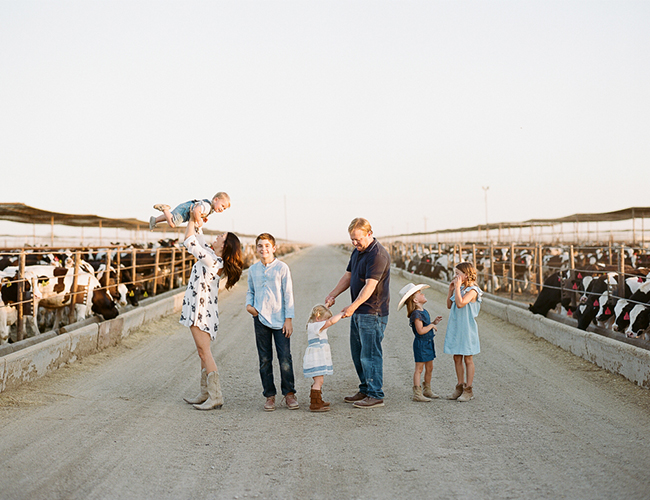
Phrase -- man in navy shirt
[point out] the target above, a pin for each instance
(367, 276)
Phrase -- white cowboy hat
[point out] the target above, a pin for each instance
(407, 291)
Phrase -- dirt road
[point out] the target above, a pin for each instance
(544, 424)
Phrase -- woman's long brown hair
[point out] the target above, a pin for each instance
(233, 263)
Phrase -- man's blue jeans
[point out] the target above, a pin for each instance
(366, 334)
(264, 338)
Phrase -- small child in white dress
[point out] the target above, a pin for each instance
(317, 361)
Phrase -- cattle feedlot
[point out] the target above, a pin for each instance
(543, 424)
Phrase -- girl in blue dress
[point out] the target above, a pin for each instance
(424, 350)
(461, 339)
(317, 361)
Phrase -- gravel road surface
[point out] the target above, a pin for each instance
(543, 424)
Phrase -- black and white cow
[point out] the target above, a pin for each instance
(625, 307)
(52, 286)
(558, 288)
(639, 322)
(8, 299)
(123, 293)
(591, 300)
(608, 301)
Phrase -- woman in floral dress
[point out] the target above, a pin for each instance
(199, 312)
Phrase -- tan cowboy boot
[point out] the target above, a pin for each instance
(418, 396)
(456, 394)
(203, 393)
(215, 399)
(426, 390)
(467, 394)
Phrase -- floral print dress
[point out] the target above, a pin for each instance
(200, 300)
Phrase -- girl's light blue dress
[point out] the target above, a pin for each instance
(462, 330)
(318, 356)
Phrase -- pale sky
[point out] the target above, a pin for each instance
(397, 111)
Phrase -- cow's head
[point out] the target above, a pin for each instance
(133, 295)
(622, 312)
(9, 288)
(103, 304)
(639, 321)
(607, 308)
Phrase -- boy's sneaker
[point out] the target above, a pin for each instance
(292, 402)
(152, 223)
(369, 402)
(161, 206)
(270, 404)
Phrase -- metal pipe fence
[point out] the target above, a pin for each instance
(520, 270)
(145, 271)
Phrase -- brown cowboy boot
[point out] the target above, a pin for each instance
(317, 403)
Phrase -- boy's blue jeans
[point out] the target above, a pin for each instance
(264, 338)
(366, 334)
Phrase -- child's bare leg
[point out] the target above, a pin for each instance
(318, 382)
(417, 373)
(469, 364)
(428, 371)
(166, 216)
(460, 369)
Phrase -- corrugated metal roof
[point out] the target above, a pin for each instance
(618, 215)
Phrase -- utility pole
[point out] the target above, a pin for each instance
(286, 231)
(485, 188)
(487, 230)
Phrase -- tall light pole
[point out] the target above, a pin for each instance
(485, 188)
(286, 230)
(487, 231)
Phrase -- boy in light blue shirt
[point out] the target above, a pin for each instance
(270, 301)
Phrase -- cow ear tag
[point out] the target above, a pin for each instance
(575, 286)
(579, 275)
(596, 303)
(607, 311)
(569, 313)
(640, 279)
(627, 317)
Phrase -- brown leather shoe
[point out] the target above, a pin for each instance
(369, 402)
(270, 404)
(353, 399)
(292, 402)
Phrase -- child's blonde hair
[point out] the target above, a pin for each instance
(468, 270)
(319, 313)
(222, 195)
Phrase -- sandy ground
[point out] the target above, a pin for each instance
(544, 423)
